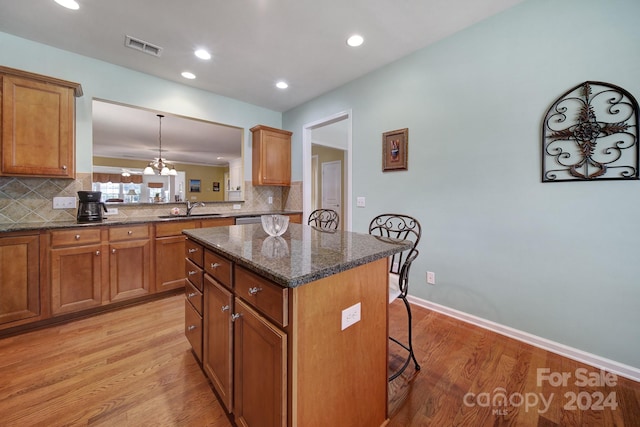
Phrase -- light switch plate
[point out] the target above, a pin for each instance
(350, 316)
(360, 202)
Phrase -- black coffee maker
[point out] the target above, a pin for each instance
(90, 207)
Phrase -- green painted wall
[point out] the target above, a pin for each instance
(558, 260)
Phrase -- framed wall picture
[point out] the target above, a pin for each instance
(216, 186)
(395, 153)
(194, 185)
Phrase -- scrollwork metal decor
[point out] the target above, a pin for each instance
(591, 132)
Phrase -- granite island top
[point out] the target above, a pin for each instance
(301, 255)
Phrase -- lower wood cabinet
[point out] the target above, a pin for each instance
(129, 262)
(170, 254)
(218, 339)
(20, 296)
(260, 370)
(77, 259)
(91, 267)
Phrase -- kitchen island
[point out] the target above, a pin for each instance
(294, 328)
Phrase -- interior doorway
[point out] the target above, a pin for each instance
(333, 132)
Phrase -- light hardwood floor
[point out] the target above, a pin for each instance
(133, 367)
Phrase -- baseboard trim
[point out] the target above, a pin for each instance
(608, 365)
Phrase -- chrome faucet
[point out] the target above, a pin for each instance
(190, 206)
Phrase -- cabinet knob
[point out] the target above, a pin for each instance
(191, 295)
(192, 250)
(129, 232)
(235, 316)
(254, 290)
(191, 328)
(64, 167)
(215, 265)
(77, 237)
(113, 251)
(191, 273)
(225, 308)
(97, 253)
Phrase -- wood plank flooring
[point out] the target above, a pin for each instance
(133, 367)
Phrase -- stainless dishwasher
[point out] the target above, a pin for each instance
(248, 220)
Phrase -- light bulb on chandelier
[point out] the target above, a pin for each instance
(159, 164)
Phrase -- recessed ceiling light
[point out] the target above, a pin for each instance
(282, 85)
(355, 40)
(69, 4)
(188, 75)
(202, 54)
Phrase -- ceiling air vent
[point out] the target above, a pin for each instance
(142, 46)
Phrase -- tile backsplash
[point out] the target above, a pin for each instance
(30, 200)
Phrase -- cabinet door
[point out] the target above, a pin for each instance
(260, 366)
(19, 284)
(129, 269)
(170, 263)
(37, 128)
(271, 156)
(76, 274)
(218, 339)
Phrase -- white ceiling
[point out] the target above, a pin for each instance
(254, 42)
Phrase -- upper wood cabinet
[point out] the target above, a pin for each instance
(38, 125)
(271, 156)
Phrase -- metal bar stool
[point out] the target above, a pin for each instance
(403, 227)
(324, 218)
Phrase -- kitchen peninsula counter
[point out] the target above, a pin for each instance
(294, 328)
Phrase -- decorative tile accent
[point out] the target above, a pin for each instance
(30, 200)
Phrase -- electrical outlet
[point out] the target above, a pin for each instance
(350, 316)
(431, 277)
(236, 206)
(64, 202)
(360, 202)
(111, 211)
(270, 200)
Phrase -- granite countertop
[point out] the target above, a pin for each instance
(114, 220)
(301, 255)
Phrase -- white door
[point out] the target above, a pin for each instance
(331, 185)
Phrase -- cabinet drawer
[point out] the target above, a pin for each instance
(194, 252)
(193, 273)
(267, 297)
(193, 329)
(194, 296)
(128, 233)
(75, 237)
(173, 228)
(218, 267)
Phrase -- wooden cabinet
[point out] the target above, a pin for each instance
(20, 283)
(260, 369)
(271, 156)
(295, 218)
(170, 249)
(129, 257)
(218, 339)
(38, 125)
(170, 254)
(76, 258)
(194, 298)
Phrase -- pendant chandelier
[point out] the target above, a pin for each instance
(159, 165)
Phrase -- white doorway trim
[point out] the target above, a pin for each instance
(306, 164)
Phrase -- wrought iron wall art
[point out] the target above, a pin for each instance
(591, 132)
